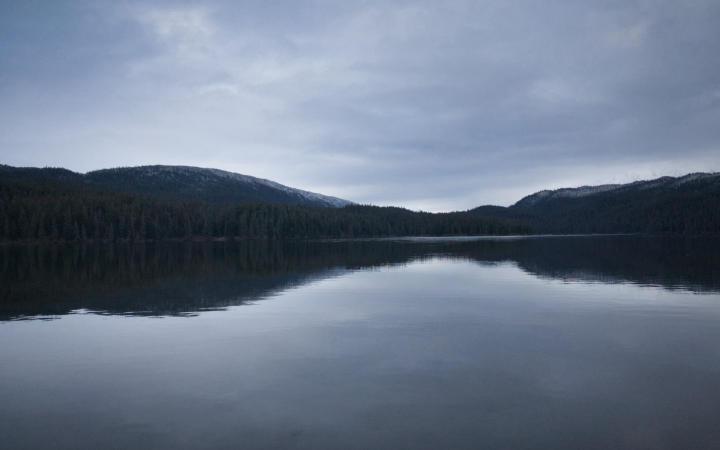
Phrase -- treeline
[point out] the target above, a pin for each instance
(45, 211)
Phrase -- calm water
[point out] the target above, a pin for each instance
(548, 343)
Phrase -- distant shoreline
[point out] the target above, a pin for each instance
(408, 238)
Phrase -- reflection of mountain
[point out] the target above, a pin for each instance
(690, 263)
(168, 279)
(180, 279)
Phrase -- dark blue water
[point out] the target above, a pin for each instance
(547, 343)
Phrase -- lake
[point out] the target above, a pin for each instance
(585, 342)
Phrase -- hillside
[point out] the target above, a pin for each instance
(178, 202)
(165, 203)
(176, 182)
(689, 204)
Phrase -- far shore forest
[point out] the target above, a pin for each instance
(36, 211)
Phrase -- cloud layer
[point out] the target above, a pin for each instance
(429, 105)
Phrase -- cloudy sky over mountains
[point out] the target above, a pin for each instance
(429, 105)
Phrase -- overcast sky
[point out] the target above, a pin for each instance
(437, 105)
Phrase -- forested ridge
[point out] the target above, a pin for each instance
(666, 205)
(60, 205)
(172, 182)
(51, 211)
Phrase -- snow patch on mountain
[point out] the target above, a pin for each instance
(312, 196)
(201, 175)
(582, 191)
(694, 177)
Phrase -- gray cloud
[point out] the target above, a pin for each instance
(426, 105)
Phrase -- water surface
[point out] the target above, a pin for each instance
(582, 342)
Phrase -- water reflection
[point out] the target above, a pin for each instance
(494, 343)
(186, 278)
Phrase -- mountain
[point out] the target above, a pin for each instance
(546, 195)
(687, 204)
(179, 202)
(182, 182)
(659, 184)
(155, 203)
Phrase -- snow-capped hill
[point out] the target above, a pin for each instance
(695, 177)
(214, 185)
(310, 196)
(689, 204)
(582, 191)
(674, 182)
(662, 184)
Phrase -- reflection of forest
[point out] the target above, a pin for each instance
(183, 278)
